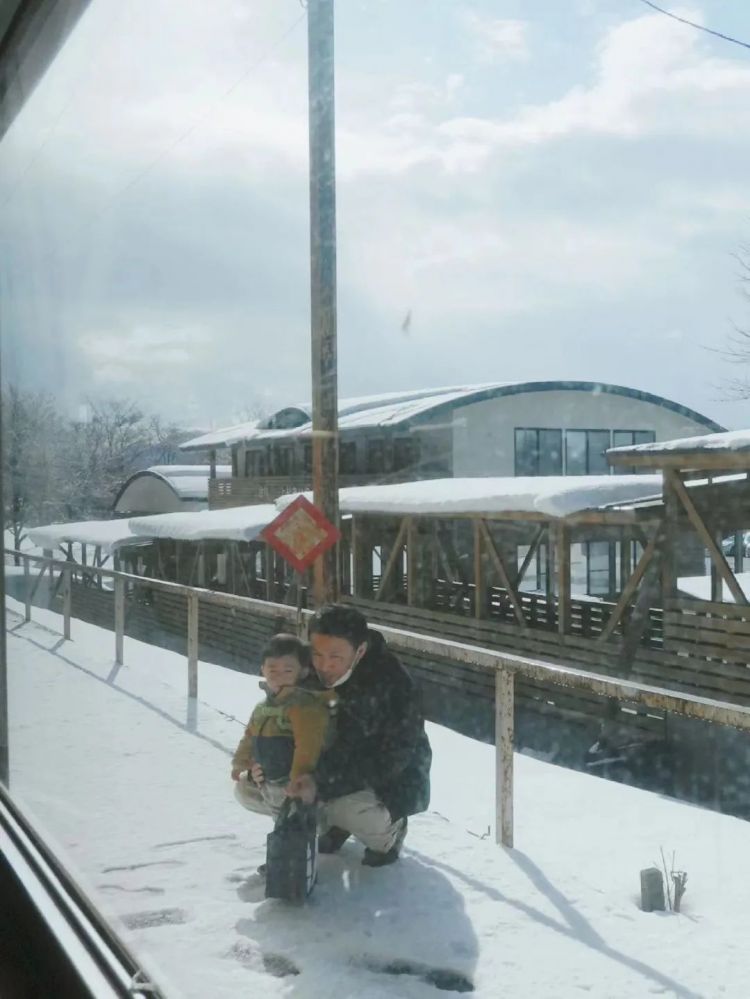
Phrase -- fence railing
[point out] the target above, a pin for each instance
(505, 666)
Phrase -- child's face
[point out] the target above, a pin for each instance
(281, 671)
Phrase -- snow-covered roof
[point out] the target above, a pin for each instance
(180, 484)
(107, 534)
(391, 409)
(240, 523)
(224, 437)
(548, 496)
(729, 442)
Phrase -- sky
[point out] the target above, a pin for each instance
(526, 189)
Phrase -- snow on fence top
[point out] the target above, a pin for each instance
(548, 496)
(108, 535)
(240, 523)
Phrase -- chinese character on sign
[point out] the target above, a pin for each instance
(301, 534)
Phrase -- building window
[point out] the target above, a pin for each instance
(348, 458)
(538, 451)
(255, 464)
(307, 458)
(627, 438)
(586, 452)
(282, 460)
(404, 453)
(375, 457)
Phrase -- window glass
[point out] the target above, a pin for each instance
(550, 452)
(527, 452)
(375, 450)
(575, 452)
(598, 443)
(348, 457)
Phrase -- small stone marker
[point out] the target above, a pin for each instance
(652, 890)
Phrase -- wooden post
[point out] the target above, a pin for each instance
(504, 697)
(192, 644)
(323, 284)
(212, 464)
(67, 600)
(562, 559)
(119, 621)
(717, 594)
(480, 592)
(411, 562)
(26, 589)
(669, 543)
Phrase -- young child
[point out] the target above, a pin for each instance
(286, 732)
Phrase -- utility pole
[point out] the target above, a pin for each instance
(323, 285)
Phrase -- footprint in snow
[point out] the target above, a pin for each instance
(251, 957)
(156, 917)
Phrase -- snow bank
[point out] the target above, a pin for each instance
(241, 523)
(140, 808)
(549, 496)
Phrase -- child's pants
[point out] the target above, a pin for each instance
(361, 813)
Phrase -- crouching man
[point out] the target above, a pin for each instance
(375, 772)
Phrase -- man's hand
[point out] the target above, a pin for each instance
(304, 788)
(256, 772)
(236, 773)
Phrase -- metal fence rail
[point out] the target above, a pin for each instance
(505, 666)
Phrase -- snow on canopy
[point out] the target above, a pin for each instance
(550, 496)
(729, 440)
(239, 523)
(108, 535)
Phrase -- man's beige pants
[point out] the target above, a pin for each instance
(361, 813)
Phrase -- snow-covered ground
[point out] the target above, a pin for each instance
(134, 789)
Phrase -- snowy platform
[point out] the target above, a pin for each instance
(134, 789)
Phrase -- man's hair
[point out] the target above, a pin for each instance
(339, 621)
(287, 645)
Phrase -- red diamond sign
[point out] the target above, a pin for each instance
(301, 534)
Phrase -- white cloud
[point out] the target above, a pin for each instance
(650, 75)
(496, 38)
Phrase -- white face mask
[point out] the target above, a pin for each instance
(345, 677)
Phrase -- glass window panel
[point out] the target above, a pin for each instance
(622, 438)
(597, 447)
(575, 452)
(527, 452)
(348, 458)
(550, 452)
(375, 457)
(644, 437)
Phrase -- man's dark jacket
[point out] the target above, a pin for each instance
(380, 741)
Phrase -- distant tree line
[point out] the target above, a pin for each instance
(56, 468)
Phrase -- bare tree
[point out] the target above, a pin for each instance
(737, 349)
(102, 450)
(32, 434)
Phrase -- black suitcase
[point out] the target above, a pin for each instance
(292, 852)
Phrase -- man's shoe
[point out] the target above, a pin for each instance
(332, 840)
(374, 858)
